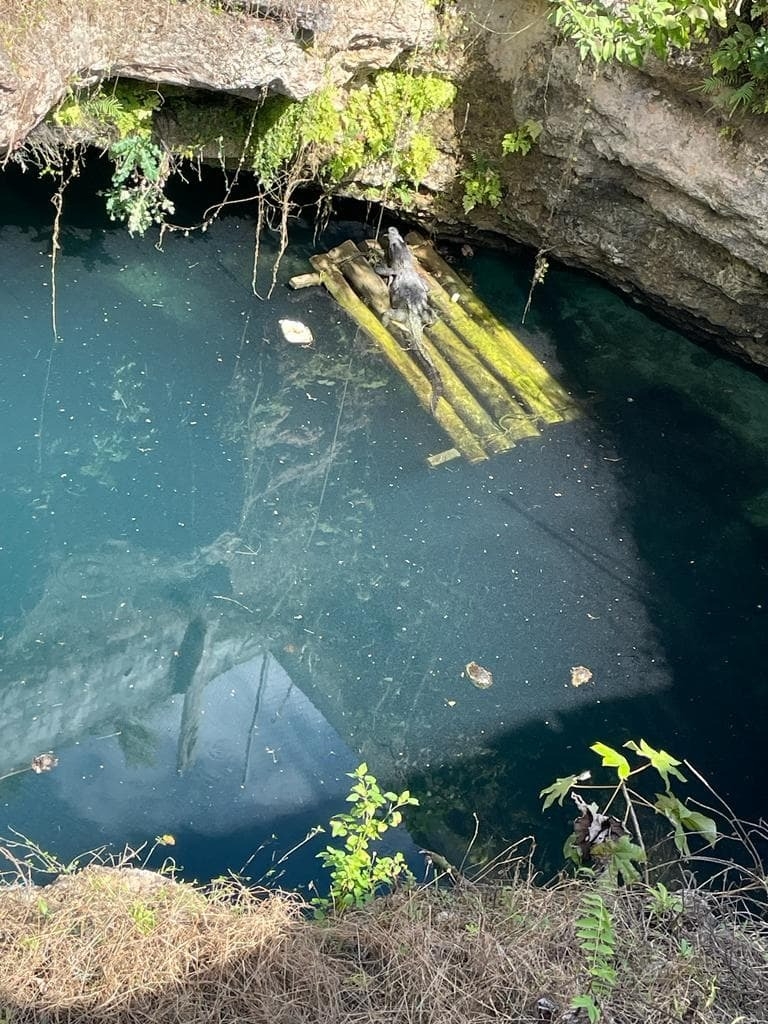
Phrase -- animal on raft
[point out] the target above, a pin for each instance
(410, 305)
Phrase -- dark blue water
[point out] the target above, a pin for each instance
(228, 574)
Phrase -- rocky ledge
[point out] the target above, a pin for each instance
(635, 177)
(242, 48)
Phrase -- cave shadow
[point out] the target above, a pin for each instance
(692, 469)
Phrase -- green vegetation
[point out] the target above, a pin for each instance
(481, 180)
(136, 196)
(121, 115)
(329, 136)
(482, 185)
(109, 942)
(740, 65)
(116, 110)
(521, 139)
(340, 134)
(637, 29)
(603, 838)
(595, 934)
(357, 873)
(737, 31)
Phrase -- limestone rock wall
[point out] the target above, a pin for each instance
(196, 44)
(634, 177)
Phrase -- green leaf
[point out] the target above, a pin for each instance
(686, 821)
(587, 1003)
(663, 762)
(613, 759)
(621, 856)
(559, 790)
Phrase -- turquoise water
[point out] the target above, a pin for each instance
(228, 574)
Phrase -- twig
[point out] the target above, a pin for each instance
(332, 448)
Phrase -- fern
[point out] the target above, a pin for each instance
(594, 930)
(743, 96)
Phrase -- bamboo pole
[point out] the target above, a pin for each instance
(508, 413)
(469, 446)
(369, 285)
(501, 350)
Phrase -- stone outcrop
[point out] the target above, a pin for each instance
(634, 176)
(195, 44)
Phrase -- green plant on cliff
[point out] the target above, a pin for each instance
(740, 65)
(357, 872)
(115, 110)
(136, 195)
(482, 185)
(340, 134)
(596, 937)
(629, 32)
(379, 121)
(121, 115)
(735, 34)
(604, 838)
(522, 138)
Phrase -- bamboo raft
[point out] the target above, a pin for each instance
(496, 392)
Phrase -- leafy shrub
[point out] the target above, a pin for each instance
(521, 139)
(376, 122)
(357, 873)
(638, 28)
(482, 185)
(136, 195)
(740, 67)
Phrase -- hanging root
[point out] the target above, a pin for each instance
(58, 204)
(541, 264)
(540, 268)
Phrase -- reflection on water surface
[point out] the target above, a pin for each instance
(229, 574)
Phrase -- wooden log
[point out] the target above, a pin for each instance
(370, 286)
(501, 350)
(304, 281)
(440, 458)
(515, 421)
(445, 415)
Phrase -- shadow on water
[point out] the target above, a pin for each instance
(692, 432)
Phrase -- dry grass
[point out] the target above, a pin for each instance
(123, 946)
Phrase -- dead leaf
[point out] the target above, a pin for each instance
(480, 677)
(580, 674)
(43, 763)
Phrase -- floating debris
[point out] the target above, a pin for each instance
(43, 763)
(296, 333)
(480, 677)
(580, 674)
(440, 457)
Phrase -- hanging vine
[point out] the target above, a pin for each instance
(567, 178)
(65, 175)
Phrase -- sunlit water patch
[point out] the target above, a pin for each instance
(229, 574)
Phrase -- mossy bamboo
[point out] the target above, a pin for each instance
(499, 348)
(369, 285)
(463, 439)
(511, 416)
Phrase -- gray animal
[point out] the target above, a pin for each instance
(410, 305)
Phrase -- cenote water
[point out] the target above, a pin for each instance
(228, 575)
